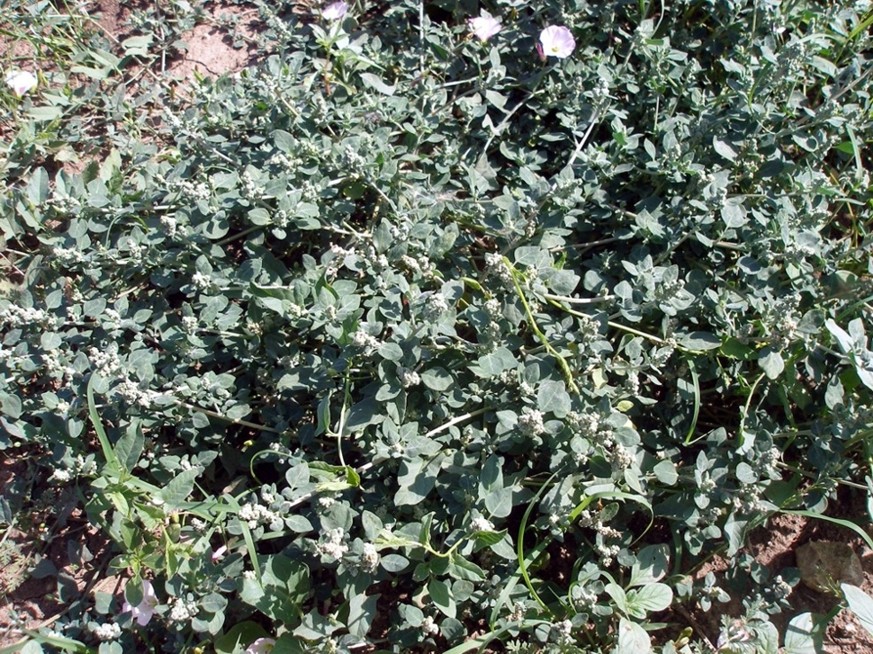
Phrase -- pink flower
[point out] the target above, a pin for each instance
(218, 554)
(484, 26)
(21, 81)
(556, 41)
(335, 11)
(143, 611)
(261, 646)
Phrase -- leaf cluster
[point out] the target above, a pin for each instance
(400, 338)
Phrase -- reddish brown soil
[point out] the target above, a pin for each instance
(38, 576)
(773, 546)
(210, 48)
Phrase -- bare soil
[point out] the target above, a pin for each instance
(211, 51)
(50, 557)
(774, 547)
(222, 45)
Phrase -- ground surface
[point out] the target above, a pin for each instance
(774, 546)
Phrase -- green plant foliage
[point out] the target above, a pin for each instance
(405, 339)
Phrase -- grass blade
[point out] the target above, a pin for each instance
(108, 453)
(837, 521)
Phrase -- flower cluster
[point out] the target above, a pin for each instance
(362, 338)
(429, 626)
(409, 378)
(80, 467)
(255, 515)
(370, 557)
(333, 545)
(107, 631)
(530, 422)
(554, 41)
(13, 316)
(183, 610)
(481, 523)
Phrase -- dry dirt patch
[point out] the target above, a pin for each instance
(774, 547)
(211, 49)
(50, 557)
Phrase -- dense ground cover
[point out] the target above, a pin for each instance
(445, 325)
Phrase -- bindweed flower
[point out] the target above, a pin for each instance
(261, 646)
(335, 11)
(484, 26)
(218, 554)
(143, 611)
(556, 41)
(21, 81)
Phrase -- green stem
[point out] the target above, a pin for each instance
(562, 362)
(241, 234)
(695, 380)
(523, 562)
(631, 330)
(809, 475)
(347, 397)
(579, 300)
(746, 406)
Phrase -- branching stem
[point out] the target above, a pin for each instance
(562, 362)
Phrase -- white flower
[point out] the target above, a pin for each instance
(143, 611)
(370, 557)
(179, 611)
(61, 475)
(409, 378)
(362, 338)
(429, 627)
(335, 11)
(434, 307)
(556, 41)
(200, 280)
(481, 524)
(333, 546)
(21, 81)
(108, 631)
(261, 646)
(484, 26)
(530, 422)
(183, 611)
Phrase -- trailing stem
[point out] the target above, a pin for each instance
(562, 362)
